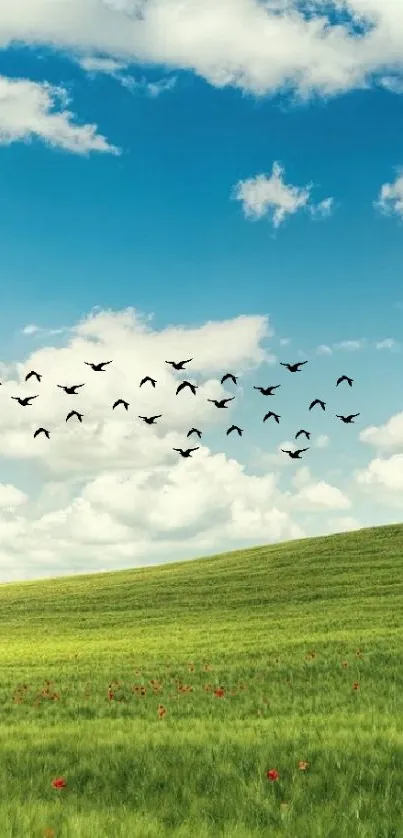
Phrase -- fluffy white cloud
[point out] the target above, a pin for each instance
(385, 436)
(386, 474)
(28, 109)
(11, 497)
(264, 194)
(258, 47)
(114, 482)
(390, 199)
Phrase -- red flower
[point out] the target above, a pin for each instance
(219, 692)
(272, 774)
(356, 685)
(59, 783)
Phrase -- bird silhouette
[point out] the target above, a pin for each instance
(294, 367)
(344, 378)
(75, 413)
(25, 401)
(276, 416)
(348, 420)
(295, 455)
(235, 428)
(98, 367)
(150, 420)
(71, 391)
(187, 452)
(35, 374)
(220, 402)
(228, 375)
(42, 431)
(267, 391)
(194, 431)
(153, 381)
(179, 365)
(317, 401)
(307, 434)
(121, 401)
(192, 387)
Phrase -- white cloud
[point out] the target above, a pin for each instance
(10, 496)
(386, 474)
(322, 441)
(95, 65)
(116, 483)
(263, 195)
(27, 109)
(31, 329)
(350, 345)
(323, 349)
(320, 495)
(390, 199)
(152, 88)
(385, 436)
(258, 47)
(387, 343)
(323, 209)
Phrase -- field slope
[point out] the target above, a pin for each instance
(164, 696)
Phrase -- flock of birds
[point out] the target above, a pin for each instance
(72, 390)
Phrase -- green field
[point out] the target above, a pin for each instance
(303, 642)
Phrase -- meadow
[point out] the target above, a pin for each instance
(254, 693)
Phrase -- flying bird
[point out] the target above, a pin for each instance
(317, 401)
(277, 417)
(153, 381)
(72, 391)
(25, 401)
(187, 453)
(307, 434)
(120, 401)
(228, 375)
(42, 431)
(294, 367)
(348, 420)
(235, 428)
(220, 402)
(150, 420)
(179, 365)
(267, 391)
(194, 431)
(344, 378)
(295, 455)
(35, 374)
(192, 387)
(75, 413)
(98, 367)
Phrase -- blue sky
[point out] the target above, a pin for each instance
(157, 227)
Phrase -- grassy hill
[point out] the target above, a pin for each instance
(163, 696)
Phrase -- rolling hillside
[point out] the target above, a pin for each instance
(259, 658)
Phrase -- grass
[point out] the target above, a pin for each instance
(224, 669)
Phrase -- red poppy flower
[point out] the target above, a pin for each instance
(272, 774)
(59, 783)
